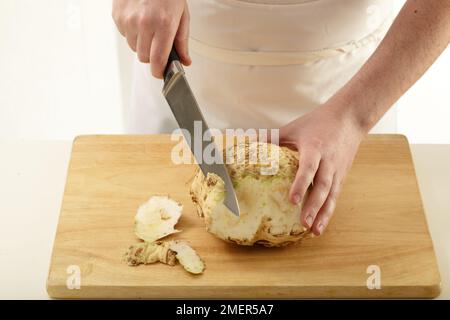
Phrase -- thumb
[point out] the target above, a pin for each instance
(283, 138)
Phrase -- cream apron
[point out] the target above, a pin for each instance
(263, 63)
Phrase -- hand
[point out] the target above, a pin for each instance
(152, 27)
(327, 143)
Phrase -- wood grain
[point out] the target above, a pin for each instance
(379, 220)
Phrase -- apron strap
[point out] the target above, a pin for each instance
(282, 58)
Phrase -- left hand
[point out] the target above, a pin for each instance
(327, 142)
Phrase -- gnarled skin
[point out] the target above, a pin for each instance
(167, 252)
(150, 252)
(267, 217)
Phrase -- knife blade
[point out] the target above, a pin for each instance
(185, 108)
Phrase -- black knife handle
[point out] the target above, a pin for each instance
(173, 56)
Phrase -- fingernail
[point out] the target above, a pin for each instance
(296, 199)
(320, 227)
(309, 221)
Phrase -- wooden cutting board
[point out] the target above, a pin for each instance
(379, 224)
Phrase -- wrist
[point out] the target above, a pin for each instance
(355, 109)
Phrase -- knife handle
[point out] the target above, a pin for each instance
(173, 56)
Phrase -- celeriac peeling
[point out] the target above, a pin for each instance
(157, 218)
(166, 252)
(150, 252)
(187, 257)
(154, 220)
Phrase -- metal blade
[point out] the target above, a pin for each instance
(186, 111)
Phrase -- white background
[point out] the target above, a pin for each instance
(64, 71)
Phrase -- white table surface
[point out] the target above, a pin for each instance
(32, 178)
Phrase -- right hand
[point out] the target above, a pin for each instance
(152, 27)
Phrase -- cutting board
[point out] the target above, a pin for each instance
(378, 234)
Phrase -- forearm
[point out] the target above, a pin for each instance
(418, 35)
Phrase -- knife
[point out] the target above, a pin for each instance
(184, 107)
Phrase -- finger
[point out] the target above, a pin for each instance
(160, 50)
(132, 31)
(307, 168)
(132, 39)
(320, 189)
(144, 40)
(182, 39)
(325, 213)
(119, 17)
(120, 24)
